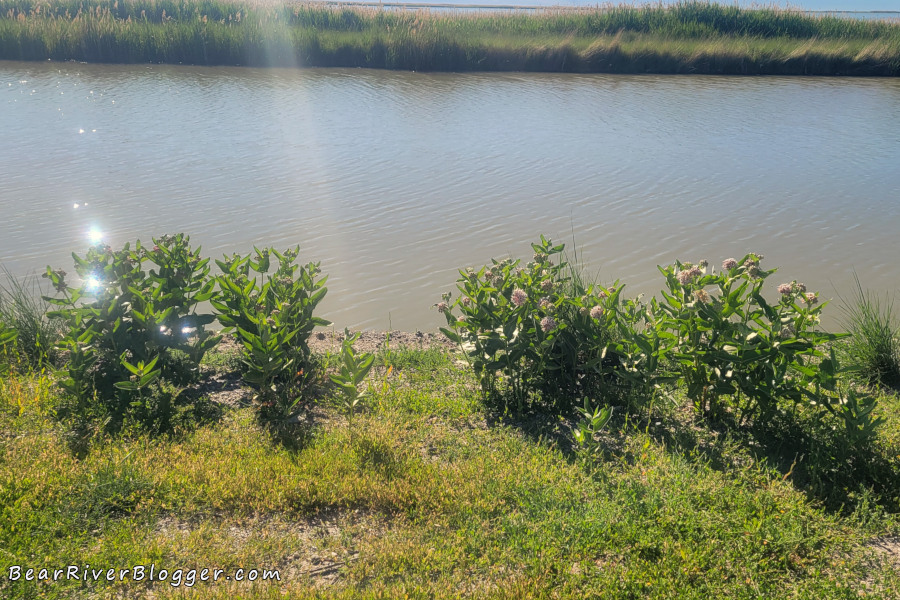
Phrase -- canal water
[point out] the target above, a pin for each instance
(393, 180)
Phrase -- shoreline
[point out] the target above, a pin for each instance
(690, 38)
(375, 340)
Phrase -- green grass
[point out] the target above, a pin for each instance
(688, 37)
(23, 308)
(434, 496)
(873, 346)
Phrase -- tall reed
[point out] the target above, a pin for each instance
(688, 37)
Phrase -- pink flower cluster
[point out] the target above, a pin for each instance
(519, 297)
(685, 276)
(792, 288)
(548, 324)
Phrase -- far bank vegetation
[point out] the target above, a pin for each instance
(687, 37)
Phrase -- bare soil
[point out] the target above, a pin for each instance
(372, 341)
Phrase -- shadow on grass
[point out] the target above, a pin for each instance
(190, 409)
(823, 462)
(297, 431)
(550, 418)
(813, 453)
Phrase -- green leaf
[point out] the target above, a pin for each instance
(133, 369)
(363, 368)
(451, 335)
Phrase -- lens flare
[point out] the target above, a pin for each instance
(92, 284)
(95, 235)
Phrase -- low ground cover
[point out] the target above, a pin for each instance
(687, 37)
(431, 494)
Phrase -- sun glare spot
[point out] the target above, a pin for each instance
(92, 284)
(75, 205)
(81, 131)
(95, 235)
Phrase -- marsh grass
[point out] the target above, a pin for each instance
(23, 308)
(689, 37)
(873, 346)
(428, 499)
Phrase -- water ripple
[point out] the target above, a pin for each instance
(394, 180)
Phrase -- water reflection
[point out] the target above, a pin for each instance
(393, 180)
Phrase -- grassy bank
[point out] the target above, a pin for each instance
(691, 37)
(727, 447)
(433, 493)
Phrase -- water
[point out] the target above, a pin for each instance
(887, 10)
(394, 180)
(873, 13)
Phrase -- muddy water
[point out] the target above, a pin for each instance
(393, 180)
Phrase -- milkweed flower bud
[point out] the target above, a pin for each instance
(548, 324)
(702, 296)
(597, 312)
(519, 297)
(685, 276)
(729, 263)
(785, 288)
